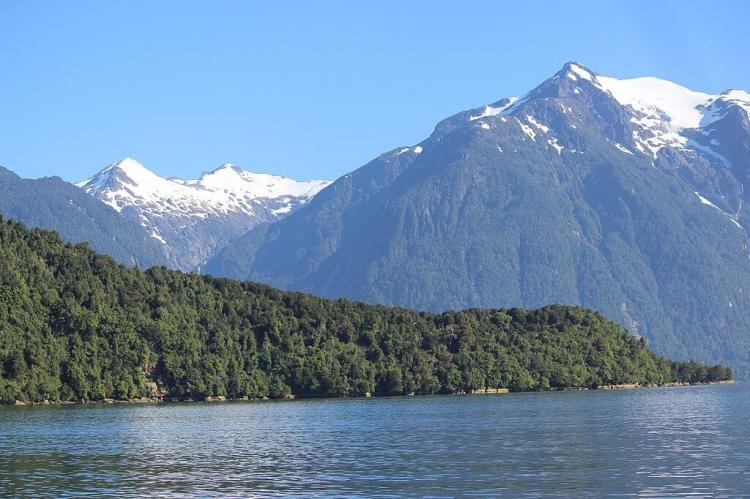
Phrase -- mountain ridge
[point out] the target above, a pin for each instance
(563, 195)
(52, 203)
(192, 218)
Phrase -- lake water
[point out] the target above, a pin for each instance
(692, 441)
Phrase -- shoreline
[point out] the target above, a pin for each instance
(482, 391)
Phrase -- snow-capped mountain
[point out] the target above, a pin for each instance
(661, 113)
(52, 203)
(703, 138)
(192, 218)
(665, 113)
(622, 195)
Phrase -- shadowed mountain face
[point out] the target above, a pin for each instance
(627, 196)
(52, 203)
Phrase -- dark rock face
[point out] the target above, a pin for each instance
(562, 196)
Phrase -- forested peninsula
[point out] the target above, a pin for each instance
(77, 326)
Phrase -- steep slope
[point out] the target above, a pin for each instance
(613, 194)
(192, 218)
(76, 326)
(52, 203)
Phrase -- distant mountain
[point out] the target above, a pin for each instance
(627, 196)
(193, 218)
(52, 203)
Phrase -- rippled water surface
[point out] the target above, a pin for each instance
(654, 442)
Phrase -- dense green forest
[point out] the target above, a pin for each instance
(75, 325)
(52, 203)
(483, 215)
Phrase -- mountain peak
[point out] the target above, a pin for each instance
(128, 162)
(561, 195)
(736, 93)
(4, 172)
(192, 217)
(661, 113)
(227, 166)
(574, 70)
(572, 79)
(132, 168)
(127, 171)
(737, 97)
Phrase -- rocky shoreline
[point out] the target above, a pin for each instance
(221, 398)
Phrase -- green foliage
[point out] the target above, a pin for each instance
(692, 372)
(52, 203)
(488, 218)
(76, 325)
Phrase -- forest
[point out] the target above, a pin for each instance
(77, 326)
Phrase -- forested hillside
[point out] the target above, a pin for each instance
(75, 325)
(568, 194)
(52, 203)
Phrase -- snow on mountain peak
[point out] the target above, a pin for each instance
(230, 178)
(193, 217)
(663, 109)
(663, 113)
(653, 96)
(737, 97)
(128, 163)
(736, 94)
(504, 107)
(228, 167)
(573, 71)
(227, 188)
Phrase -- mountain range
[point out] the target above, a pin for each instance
(193, 218)
(52, 203)
(626, 196)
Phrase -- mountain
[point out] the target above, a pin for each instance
(76, 326)
(52, 203)
(193, 218)
(626, 196)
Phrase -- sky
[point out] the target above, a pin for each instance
(313, 89)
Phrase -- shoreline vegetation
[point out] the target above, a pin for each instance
(76, 326)
(486, 391)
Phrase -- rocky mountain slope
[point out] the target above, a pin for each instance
(52, 203)
(193, 218)
(627, 196)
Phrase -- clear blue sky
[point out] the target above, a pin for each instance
(313, 89)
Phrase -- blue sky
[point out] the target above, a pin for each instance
(313, 89)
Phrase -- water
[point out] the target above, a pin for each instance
(691, 441)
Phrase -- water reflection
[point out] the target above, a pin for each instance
(678, 441)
